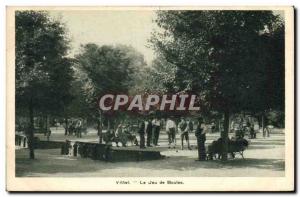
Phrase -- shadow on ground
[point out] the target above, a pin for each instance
(51, 164)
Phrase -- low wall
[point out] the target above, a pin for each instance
(48, 144)
(21, 141)
(93, 151)
(105, 152)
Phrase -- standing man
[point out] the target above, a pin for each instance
(145, 128)
(142, 134)
(189, 129)
(148, 129)
(201, 137)
(156, 130)
(213, 126)
(183, 131)
(71, 127)
(256, 128)
(252, 131)
(48, 131)
(118, 133)
(84, 126)
(266, 131)
(171, 129)
(78, 127)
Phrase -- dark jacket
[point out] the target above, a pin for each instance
(199, 134)
(182, 125)
(142, 127)
(191, 126)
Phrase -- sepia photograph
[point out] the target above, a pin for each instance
(150, 99)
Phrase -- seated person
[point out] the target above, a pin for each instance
(108, 137)
(130, 137)
(120, 136)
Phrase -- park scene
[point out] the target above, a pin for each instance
(149, 93)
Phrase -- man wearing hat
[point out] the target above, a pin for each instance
(201, 137)
(145, 128)
(171, 131)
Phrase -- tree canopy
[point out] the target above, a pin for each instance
(107, 69)
(229, 58)
(43, 72)
(226, 56)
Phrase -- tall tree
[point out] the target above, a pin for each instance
(222, 56)
(162, 71)
(43, 73)
(107, 69)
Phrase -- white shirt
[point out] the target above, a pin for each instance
(204, 127)
(79, 123)
(156, 122)
(187, 128)
(170, 124)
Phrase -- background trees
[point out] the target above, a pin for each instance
(108, 69)
(49, 83)
(233, 61)
(225, 57)
(43, 73)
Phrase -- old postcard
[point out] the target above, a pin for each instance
(150, 99)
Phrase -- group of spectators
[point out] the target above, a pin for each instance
(75, 127)
(250, 128)
(150, 129)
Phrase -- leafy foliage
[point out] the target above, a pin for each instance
(227, 57)
(43, 72)
(108, 69)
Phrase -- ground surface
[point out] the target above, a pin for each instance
(264, 157)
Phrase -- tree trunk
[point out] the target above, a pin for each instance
(31, 131)
(130, 126)
(66, 127)
(47, 128)
(262, 122)
(108, 124)
(224, 135)
(99, 127)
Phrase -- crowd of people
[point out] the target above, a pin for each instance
(149, 132)
(75, 127)
(121, 135)
(150, 129)
(241, 128)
